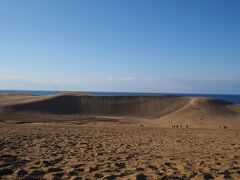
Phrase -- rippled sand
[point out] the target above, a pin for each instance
(57, 151)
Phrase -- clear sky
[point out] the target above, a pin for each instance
(126, 45)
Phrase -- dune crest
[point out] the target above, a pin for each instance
(152, 110)
(149, 106)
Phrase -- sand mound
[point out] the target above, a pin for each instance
(151, 106)
(203, 112)
(103, 105)
(161, 111)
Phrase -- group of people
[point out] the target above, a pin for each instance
(179, 126)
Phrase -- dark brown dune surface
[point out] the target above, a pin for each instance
(150, 110)
(9, 98)
(104, 105)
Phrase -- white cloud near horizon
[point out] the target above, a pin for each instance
(7, 70)
(129, 83)
(129, 78)
(9, 74)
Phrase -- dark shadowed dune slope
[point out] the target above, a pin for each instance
(104, 105)
(138, 106)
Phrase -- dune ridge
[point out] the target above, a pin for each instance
(149, 106)
(102, 105)
(78, 108)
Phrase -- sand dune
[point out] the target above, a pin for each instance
(151, 110)
(103, 105)
(80, 136)
(114, 105)
(203, 113)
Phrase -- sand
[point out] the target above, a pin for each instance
(56, 151)
(160, 111)
(118, 137)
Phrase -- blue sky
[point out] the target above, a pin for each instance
(129, 45)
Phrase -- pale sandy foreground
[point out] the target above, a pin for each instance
(58, 151)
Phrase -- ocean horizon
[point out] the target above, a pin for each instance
(233, 98)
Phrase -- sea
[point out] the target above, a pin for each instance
(232, 98)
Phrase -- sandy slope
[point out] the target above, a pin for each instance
(43, 151)
(163, 111)
(203, 113)
(103, 105)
